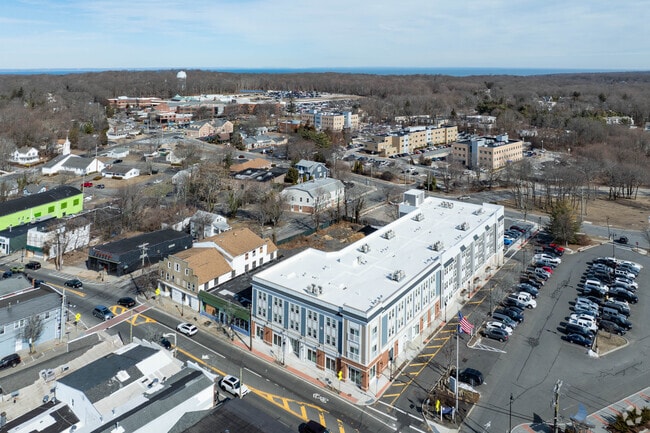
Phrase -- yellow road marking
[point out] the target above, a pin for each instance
(418, 364)
(392, 395)
(341, 428)
(321, 418)
(68, 290)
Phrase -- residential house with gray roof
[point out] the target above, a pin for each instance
(315, 195)
(311, 169)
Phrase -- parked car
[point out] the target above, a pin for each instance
(514, 314)
(471, 376)
(622, 294)
(17, 269)
(118, 161)
(582, 302)
(100, 186)
(126, 301)
(578, 339)
(234, 386)
(10, 361)
(505, 319)
(7, 274)
(606, 325)
(571, 328)
(622, 240)
(499, 325)
(528, 288)
(74, 283)
(87, 185)
(621, 307)
(33, 265)
(187, 329)
(164, 342)
(312, 427)
(525, 298)
(548, 257)
(619, 319)
(102, 312)
(496, 334)
(513, 302)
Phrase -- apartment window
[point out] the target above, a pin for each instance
(330, 364)
(187, 271)
(169, 265)
(246, 256)
(64, 205)
(312, 324)
(294, 317)
(353, 353)
(75, 202)
(353, 333)
(50, 209)
(311, 355)
(278, 310)
(277, 340)
(331, 331)
(167, 276)
(262, 304)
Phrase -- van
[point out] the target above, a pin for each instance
(505, 320)
(595, 286)
(312, 427)
(588, 324)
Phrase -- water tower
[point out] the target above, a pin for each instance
(181, 77)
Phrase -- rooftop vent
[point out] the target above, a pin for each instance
(418, 217)
(447, 204)
(390, 234)
(464, 226)
(398, 275)
(479, 211)
(364, 248)
(438, 246)
(314, 289)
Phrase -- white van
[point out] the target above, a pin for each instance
(596, 286)
(547, 257)
(584, 323)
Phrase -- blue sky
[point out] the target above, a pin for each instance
(117, 34)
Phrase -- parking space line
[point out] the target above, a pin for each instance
(600, 419)
(341, 428)
(321, 418)
(418, 364)
(391, 395)
(417, 429)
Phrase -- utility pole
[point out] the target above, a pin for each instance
(143, 255)
(556, 403)
(510, 415)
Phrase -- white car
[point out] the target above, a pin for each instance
(499, 325)
(586, 317)
(234, 386)
(187, 329)
(548, 257)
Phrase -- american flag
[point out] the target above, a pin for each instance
(464, 325)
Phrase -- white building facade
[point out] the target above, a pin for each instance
(356, 310)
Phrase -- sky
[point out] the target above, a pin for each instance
(213, 34)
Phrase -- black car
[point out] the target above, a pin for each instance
(10, 360)
(74, 283)
(471, 376)
(572, 328)
(118, 161)
(33, 265)
(7, 274)
(126, 301)
(533, 283)
(528, 288)
(622, 240)
(513, 313)
(496, 334)
(619, 319)
(312, 427)
(623, 295)
(578, 339)
(164, 342)
(611, 327)
(511, 302)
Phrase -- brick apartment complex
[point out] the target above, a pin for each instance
(490, 153)
(410, 139)
(331, 121)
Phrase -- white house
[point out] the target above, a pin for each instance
(25, 156)
(69, 163)
(118, 152)
(49, 241)
(119, 171)
(205, 224)
(311, 169)
(212, 262)
(315, 195)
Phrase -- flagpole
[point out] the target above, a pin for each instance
(457, 338)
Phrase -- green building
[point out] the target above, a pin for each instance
(57, 202)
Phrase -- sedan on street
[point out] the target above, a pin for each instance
(74, 283)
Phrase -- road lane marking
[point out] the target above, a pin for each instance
(252, 372)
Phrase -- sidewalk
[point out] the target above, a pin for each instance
(598, 421)
(305, 370)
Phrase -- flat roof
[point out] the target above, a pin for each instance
(358, 277)
(30, 201)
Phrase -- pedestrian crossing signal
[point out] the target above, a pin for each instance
(340, 375)
(77, 317)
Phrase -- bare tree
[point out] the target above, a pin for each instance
(32, 330)
(200, 221)
(319, 206)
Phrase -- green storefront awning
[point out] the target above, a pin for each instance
(223, 305)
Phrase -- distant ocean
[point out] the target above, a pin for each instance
(454, 72)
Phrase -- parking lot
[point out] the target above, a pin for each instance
(532, 360)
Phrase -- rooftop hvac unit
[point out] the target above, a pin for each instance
(464, 226)
(419, 217)
(438, 246)
(479, 211)
(398, 275)
(364, 248)
(390, 234)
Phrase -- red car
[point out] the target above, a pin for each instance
(556, 246)
(87, 185)
(548, 269)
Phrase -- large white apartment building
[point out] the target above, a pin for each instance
(332, 121)
(354, 311)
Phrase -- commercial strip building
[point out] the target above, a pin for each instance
(490, 153)
(409, 139)
(353, 312)
(57, 202)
